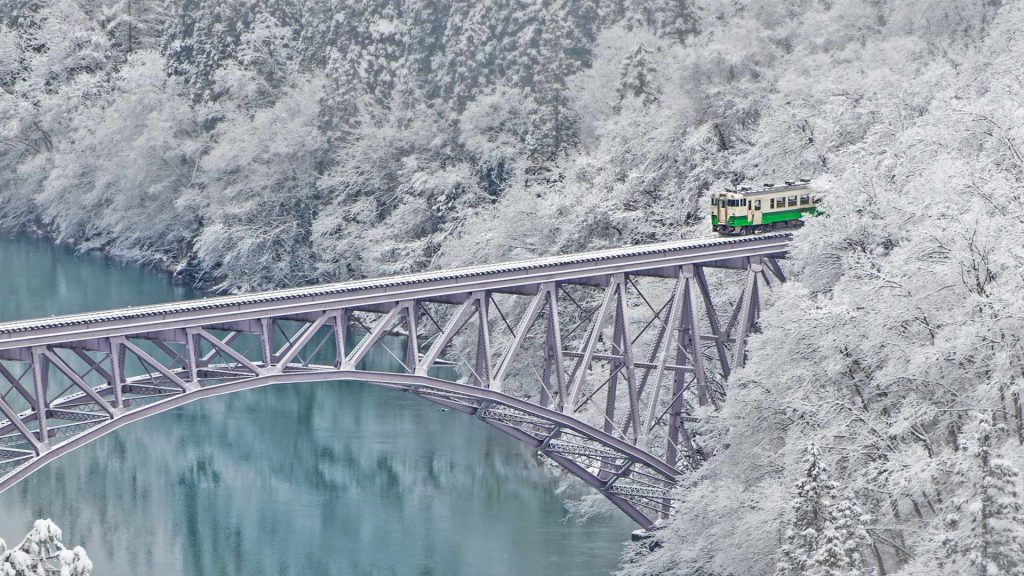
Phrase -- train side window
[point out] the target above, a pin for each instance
(805, 200)
(792, 200)
(757, 204)
(748, 204)
(714, 201)
(771, 204)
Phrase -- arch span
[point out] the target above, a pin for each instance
(559, 437)
(596, 360)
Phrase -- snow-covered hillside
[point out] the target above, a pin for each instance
(877, 426)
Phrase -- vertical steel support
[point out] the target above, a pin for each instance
(340, 336)
(747, 310)
(412, 343)
(40, 378)
(267, 341)
(689, 344)
(554, 362)
(482, 360)
(613, 379)
(117, 371)
(192, 351)
(690, 334)
(627, 350)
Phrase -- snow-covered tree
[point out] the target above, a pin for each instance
(638, 78)
(983, 526)
(826, 533)
(118, 178)
(133, 24)
(42, 553)
(259, 193)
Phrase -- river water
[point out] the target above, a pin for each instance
(312, 479)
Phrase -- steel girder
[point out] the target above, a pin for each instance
(595, 360)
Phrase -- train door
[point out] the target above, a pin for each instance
(718, 208)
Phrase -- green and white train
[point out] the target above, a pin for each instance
(750, 211)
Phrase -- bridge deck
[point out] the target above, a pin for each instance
(654, 259)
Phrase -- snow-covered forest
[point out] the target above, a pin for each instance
(877, 427)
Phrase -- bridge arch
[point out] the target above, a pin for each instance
(629, 341)
(495, 408)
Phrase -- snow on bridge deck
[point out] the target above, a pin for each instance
(641, 259)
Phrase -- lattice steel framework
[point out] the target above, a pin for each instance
(596, 360)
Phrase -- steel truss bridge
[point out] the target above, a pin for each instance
(596, 360)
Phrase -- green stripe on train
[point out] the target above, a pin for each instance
(768, 217)
(785, 215)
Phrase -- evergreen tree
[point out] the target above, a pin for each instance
(134, 24)
(826, 532)
(677, 20)
(469, 59)
(203, 35)
(985, 528)
(638, 77)
(544, 47)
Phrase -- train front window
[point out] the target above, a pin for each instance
(757, 204)
(714, 201)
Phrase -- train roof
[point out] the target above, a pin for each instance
(771, 187)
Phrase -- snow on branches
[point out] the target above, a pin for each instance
(826, 535)
(42, 553)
